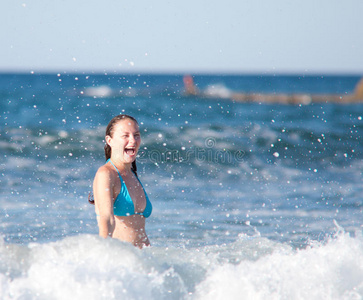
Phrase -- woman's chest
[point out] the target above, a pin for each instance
(132, 190)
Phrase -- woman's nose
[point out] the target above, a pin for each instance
(132, 139)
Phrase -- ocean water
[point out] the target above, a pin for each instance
(251, 200)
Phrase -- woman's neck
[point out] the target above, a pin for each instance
(121, 167)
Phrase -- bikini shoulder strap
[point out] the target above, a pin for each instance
(114, 167)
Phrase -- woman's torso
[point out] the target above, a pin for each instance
(129, 228)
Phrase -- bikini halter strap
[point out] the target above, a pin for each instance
(109, 160)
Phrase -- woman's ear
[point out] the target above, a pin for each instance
(108, 140)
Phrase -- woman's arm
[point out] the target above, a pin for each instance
(102, 190)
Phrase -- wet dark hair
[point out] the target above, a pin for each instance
(109, 131)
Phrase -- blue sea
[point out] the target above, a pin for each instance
(251, 200)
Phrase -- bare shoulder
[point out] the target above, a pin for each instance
(104, 173)
(104, 170)
(103, 186)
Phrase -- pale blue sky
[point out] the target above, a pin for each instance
(266, 36)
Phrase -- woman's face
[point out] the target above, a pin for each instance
(125, 140)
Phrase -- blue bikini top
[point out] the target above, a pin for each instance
(123, 205)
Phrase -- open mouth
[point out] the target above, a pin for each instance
(130, 151)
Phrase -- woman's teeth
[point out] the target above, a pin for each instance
(130, 151)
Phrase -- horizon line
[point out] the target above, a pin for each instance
(179, 72)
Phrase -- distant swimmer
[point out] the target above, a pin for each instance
(358, 92)
(121, 203)
(215, 91)
(222, 92)
(190, 88)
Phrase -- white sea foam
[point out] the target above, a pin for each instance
(330, 271)
(88, 267)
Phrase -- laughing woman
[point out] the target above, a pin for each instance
(121, 202)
